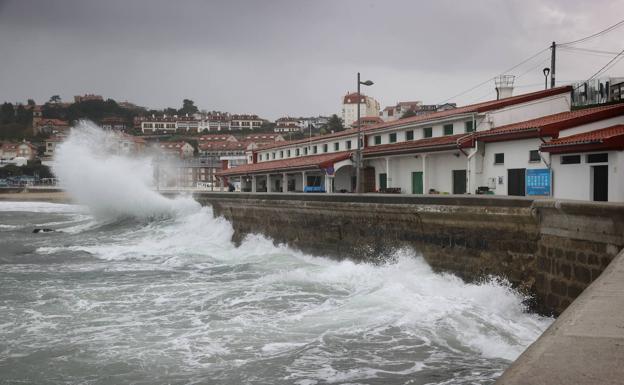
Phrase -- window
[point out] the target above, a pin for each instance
(499, 158)
(377, 139)
(281, 154)
(314, 149)
(348, 142)
(325, 147)
(273, 155)
(305, 151)
(393, 137)
(288, 153)
(534, 156)
(336, 146)
(409, 135)
(448, 129)
(598, 158)
(469, 127)
(297, 152)
(427, 132)
(570, 159)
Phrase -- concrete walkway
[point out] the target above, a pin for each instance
(585, 345)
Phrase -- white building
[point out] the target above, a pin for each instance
(392, 113)
(214, 121)
(500, 147)
(186, 124)
(245, 122)
(588, 164)
(288, 124)
(154, 124)
(178, 149)
(368, 107)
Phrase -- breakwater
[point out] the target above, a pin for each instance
(548, 248)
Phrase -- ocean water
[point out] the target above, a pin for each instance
(133, 288)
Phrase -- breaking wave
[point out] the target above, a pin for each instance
(173, 300)
(95, 172)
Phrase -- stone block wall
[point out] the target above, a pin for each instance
(578, 240)
(550, 249)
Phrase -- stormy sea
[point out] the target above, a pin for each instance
(135, 288)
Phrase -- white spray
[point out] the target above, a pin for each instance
(112, 185)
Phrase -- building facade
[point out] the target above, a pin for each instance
(392, 113)
(512, 146)
(369, 107)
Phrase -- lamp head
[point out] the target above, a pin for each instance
(367, 83)
(546, 71)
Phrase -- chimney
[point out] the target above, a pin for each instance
(504, 86)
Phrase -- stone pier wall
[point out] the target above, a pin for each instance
(578, 240)
(550, 249)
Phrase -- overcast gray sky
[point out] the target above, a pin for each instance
(291, 57)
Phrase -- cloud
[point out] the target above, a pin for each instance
(278, 57)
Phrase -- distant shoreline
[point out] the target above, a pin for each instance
(35, 196)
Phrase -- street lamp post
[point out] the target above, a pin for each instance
(358, 158)
(546, 71)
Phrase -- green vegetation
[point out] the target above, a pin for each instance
(334, 124)
(31, 169)
(15, 122)
(94, 110)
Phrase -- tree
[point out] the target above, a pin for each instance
(55, 99)
(408, 114)
(169, 111)
(22, 116)
(334, 124)
(7, 113)
(31, 102)
(188, 107)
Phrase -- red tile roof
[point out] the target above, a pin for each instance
(171, 145)
(352, 98)
(368, 120)
(439, 143)
(299, 163)
(478, 107)
(53, 122)
(473, 108)
(217, 137)
(549, 125)
(223, 145)
(610, 138)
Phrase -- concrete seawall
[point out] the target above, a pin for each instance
(550, 249)
(585, 345)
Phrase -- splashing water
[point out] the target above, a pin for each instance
(172, 300)
(111, 185)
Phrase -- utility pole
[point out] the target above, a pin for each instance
(358, 158)
(359, 188)
(553, 49)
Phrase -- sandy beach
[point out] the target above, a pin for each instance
(34, 196)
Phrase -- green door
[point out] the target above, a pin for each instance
(417, 182)
(383, 181)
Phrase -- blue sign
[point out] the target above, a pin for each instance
(538, 181)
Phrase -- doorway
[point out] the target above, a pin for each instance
(417, 182)
(600, 176)
(383, 182)
(459, 181)
(516, 182)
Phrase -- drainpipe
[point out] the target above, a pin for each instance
(548, 164)
(468, 164)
